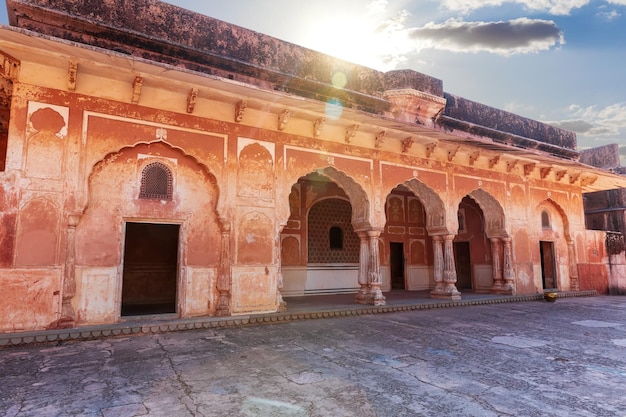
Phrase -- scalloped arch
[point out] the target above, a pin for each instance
(557, 207)
(356, 194)
(435, 209)
(111, 156)
(492, 211)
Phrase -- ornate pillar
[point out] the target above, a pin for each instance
(282, 305)
(509, 271)
(364, 262)
(68, 315)
(375, 278)
(495, 266)
(573, 267)
(223, 279)
(449, 272)
(438, 266)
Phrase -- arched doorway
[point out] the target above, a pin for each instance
(135, 246)
(320, 250)
(483, 249)
(471, 249)
(406, 261)
(555, 248)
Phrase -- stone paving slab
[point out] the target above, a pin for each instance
(494, 359)
(300, 308)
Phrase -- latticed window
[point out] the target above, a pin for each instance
(156, 182)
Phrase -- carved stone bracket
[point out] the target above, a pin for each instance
(240, 109)
(559, 175)
(510, 165)
(406, 144)
(318, 125)
(430, 148)
(528, 169)
(573, 178)
(351, 132)
(544, 172)
(191, 100)
(72, 71)
(474, 157)
(494, 161)
(452, 153)
(380, 139)
(137, 84)
(283, 119)
(588, 180)
(10, 66)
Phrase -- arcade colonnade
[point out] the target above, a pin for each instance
(441, 226)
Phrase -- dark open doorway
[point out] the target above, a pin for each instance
(548, 265)
(463, 265)
(150, 269)
(396, 261)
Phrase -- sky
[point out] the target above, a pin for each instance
(558, 61)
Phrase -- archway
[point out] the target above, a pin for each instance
(482, 246)
(320, 250)
(187, 206)
(555, 252)
(406, 258)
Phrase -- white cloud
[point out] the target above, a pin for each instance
(618, 2)
(597, 124)
(504, 37)
(556, 7)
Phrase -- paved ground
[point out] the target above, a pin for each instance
(532, 358)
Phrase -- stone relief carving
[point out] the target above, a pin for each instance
(395, 209)
(256, 169)
(44, 146)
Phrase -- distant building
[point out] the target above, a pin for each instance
(605, 210)
(164, 162)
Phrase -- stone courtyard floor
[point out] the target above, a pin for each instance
(527, 358)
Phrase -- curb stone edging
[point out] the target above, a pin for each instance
(125, 329)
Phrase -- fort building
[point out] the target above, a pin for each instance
(165, 162)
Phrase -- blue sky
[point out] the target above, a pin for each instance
(558, 61)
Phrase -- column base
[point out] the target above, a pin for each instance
(363, 296)
(446, 294)
(378, 299)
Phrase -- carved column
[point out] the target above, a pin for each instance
(450, 291)
(509, 271)
(282, 305)
(573, 267)
(68, 315)
(364, 262)
(375, 278)
(223, 279)
(495, 266)
(438, 266)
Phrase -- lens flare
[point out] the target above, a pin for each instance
(334, 109)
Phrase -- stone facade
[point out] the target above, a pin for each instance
(173, 164)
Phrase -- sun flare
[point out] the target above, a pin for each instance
(370, 40)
